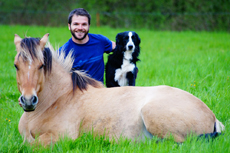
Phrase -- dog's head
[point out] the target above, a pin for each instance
(128, 40)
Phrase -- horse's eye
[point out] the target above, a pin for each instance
(41, 67)
(16, 67)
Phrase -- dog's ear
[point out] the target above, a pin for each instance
(138, 39)
(119, 38)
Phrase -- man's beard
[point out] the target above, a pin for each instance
(73, 34)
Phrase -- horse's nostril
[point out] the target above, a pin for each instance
(34, 100)
(22, 100)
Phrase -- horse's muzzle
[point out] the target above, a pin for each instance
(28, 103)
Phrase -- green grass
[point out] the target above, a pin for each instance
(198, 62)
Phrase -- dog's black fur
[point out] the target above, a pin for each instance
(121, 67)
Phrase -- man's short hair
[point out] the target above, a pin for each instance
(79, 11)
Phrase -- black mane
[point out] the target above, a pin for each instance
(30, 45)
(47, 60)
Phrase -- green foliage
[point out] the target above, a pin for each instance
(197, 62)
(174, 15)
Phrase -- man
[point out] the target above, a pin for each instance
(88, 49)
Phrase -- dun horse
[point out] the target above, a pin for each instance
(58, 102)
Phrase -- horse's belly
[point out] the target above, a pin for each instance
(114, 121)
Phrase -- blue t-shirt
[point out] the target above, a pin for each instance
(89, 56)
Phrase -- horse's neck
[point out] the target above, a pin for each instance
(56, 84)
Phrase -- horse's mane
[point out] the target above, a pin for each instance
(30, 50)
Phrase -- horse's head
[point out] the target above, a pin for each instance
(29, 63)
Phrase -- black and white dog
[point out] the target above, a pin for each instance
(121, 67)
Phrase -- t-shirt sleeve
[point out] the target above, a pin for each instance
(107, 44)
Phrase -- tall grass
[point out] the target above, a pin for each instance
(198, 62)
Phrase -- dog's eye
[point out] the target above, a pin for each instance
(126, 37)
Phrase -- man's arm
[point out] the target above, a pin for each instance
(113, 44)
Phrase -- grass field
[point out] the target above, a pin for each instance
(198, 62)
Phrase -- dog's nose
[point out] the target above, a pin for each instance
(130, 47)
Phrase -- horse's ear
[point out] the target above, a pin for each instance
(17, 41)
(44, 40)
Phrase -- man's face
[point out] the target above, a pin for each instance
(79, 27)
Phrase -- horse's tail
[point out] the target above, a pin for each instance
(218, 129)
(219, 126)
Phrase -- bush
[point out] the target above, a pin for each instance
(157, 15)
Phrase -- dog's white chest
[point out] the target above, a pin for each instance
(120, 74)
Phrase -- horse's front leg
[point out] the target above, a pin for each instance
(46, 139)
